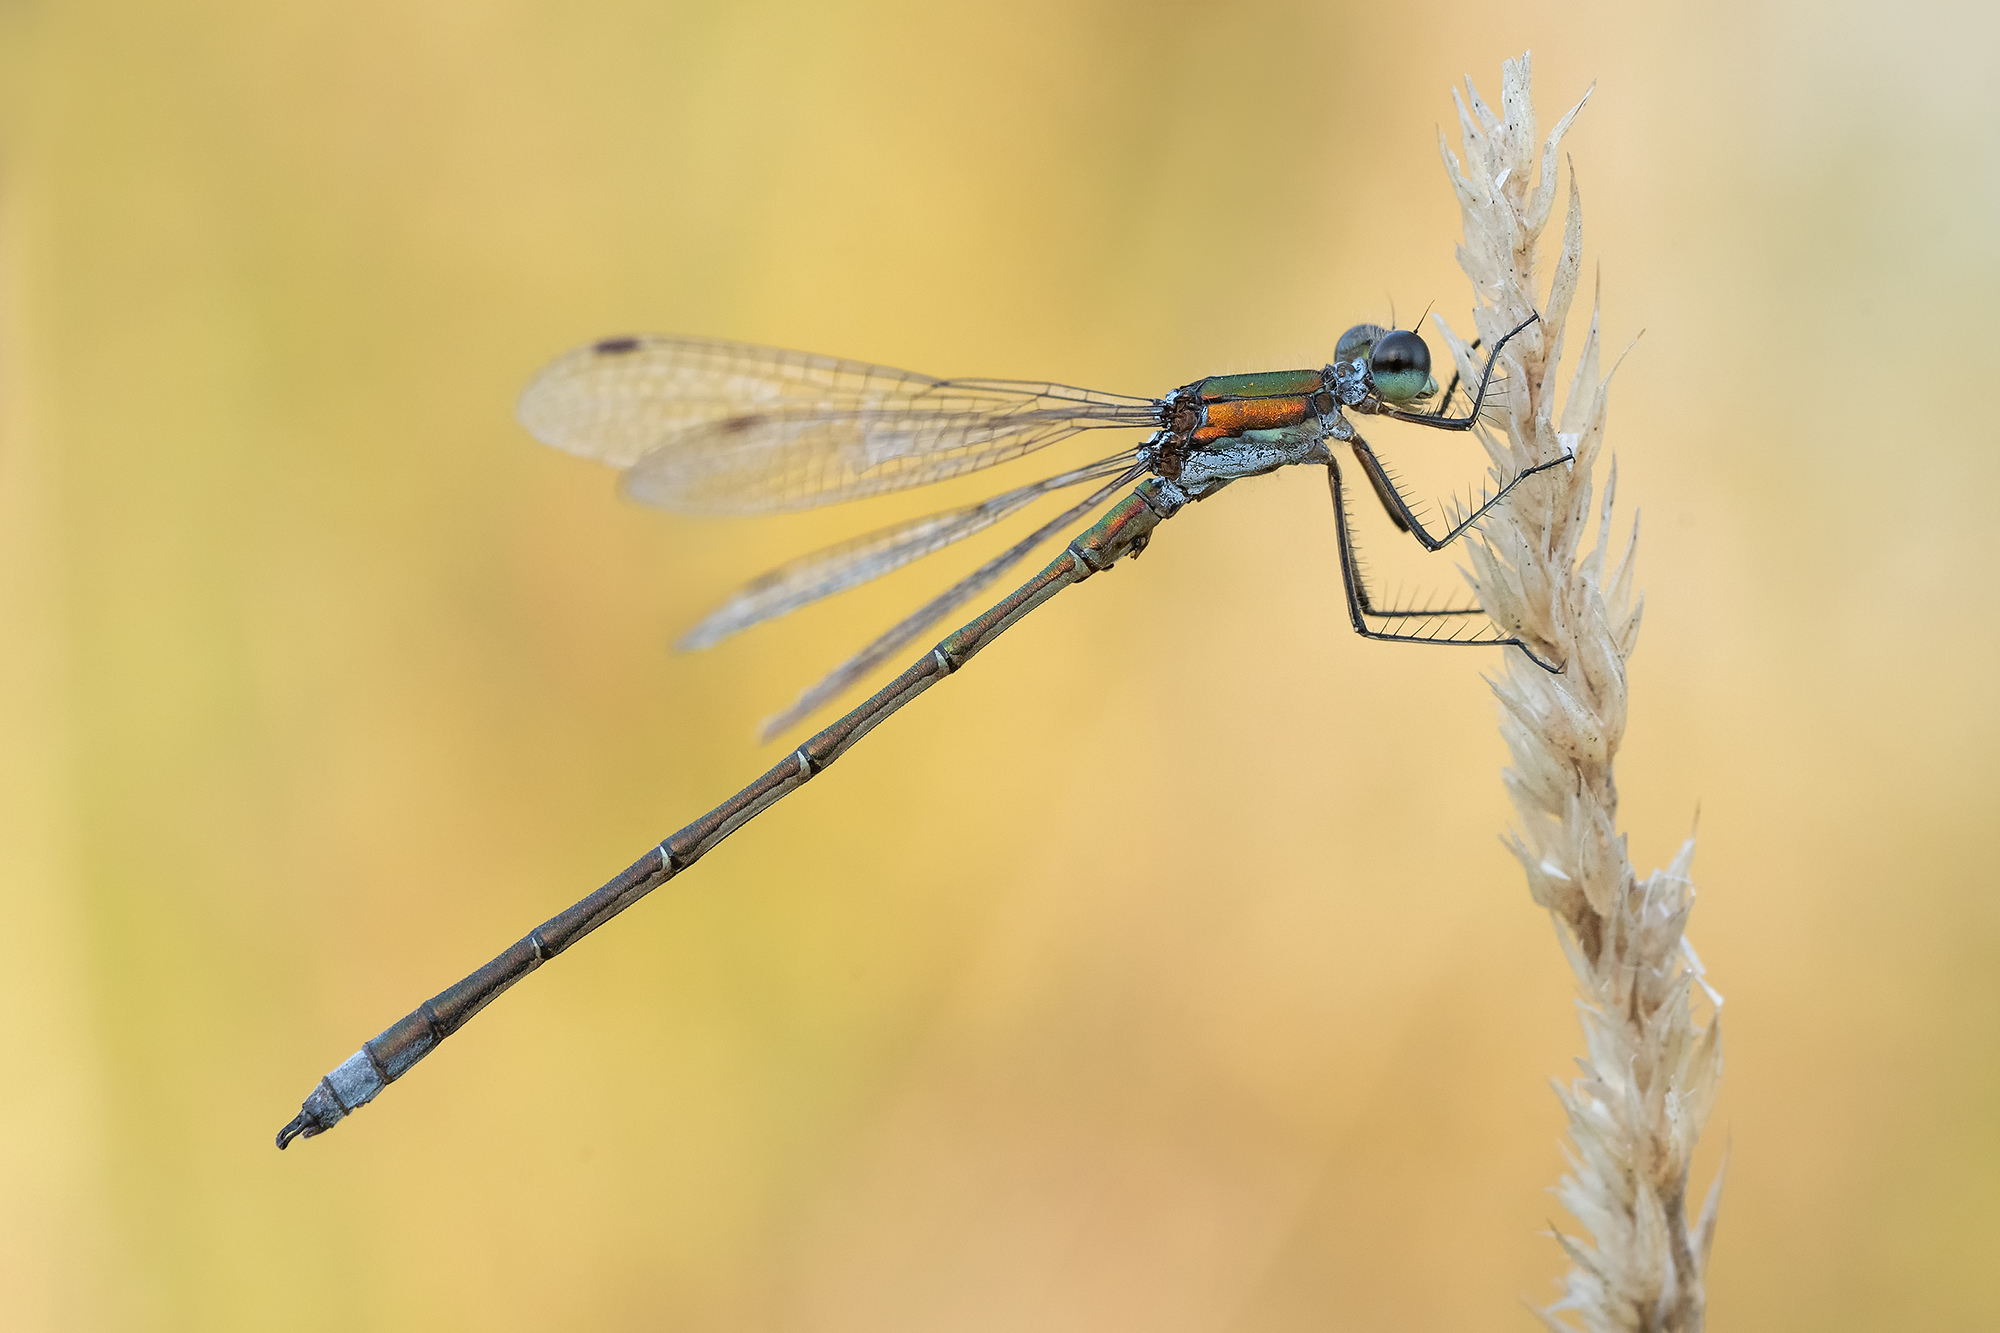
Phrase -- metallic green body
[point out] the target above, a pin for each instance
(1260, 384)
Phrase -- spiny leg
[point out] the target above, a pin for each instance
(1360, 597)
(1444, 403)
(1360, 607)
(1399, 509)
(1471, 418)
(1385, 491)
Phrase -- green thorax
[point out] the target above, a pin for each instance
(1260, 384)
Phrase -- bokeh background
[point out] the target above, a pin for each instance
(1165, 971)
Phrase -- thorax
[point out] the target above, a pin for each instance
(1227, 427)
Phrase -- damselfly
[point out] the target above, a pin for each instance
(702, 426)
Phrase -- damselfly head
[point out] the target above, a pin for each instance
(1399, 362)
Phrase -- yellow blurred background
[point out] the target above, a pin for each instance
(1165, 971)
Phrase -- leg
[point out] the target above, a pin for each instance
(1385, 491)
(1444, 403)
(1359, 601)
(1471, 418)
(1399, 509)
(1359, 607)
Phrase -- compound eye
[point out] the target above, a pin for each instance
(1400, 366)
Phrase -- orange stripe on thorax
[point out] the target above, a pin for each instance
(1223, 420)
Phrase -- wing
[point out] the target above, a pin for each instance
(852, 563)
(705, 426)
(908, 628)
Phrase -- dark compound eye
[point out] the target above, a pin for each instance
(1400, 365)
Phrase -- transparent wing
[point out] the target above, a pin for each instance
(852, 563)
(899, 635)
(717, 427)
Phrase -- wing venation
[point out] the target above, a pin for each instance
(851, 563)
(706, 426)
